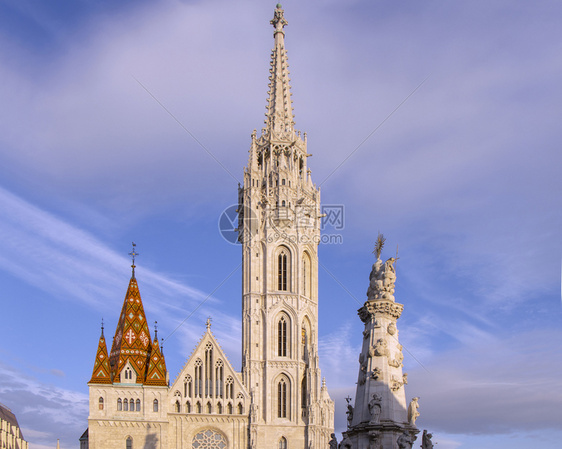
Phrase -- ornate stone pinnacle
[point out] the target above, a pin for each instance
(278, 20)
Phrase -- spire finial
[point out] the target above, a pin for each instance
(156, 330)
(379, 245)
(102, 327)
(208, 323)
(278, 20)
(133, 254)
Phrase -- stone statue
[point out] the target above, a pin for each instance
(413, 411)
(391, 329)
(405, 441)
(375, 408)
(383, 275)
(349, 414)
(333, 442)
(426, 440)
(376, 374)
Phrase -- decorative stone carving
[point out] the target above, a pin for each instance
(405, 441)
(387, 308)
(375, 440)
(426, 440)
(362, 375)
(397, 362)
(366, 333)
(391, 329)
(375, 408)
(333, 442)
(380, 349)
(376, 373)
(405, 379)
(396, 383)
(413, 411)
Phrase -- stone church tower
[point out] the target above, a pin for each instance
(380, 418)
(278, 400)
(279, 229)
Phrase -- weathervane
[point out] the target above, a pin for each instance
(133, 254)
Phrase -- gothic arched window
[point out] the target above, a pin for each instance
(229, 387)
(129, 443)
(282, 337)
(198, 378)
(219, 373)
(119, 404)
(100, 401)
(137, 403)
(282, 265)
(306, 275)
(283, 443)
(282, 399)
(303, 393)
(125, 405)
(155, 405)
(131, 405)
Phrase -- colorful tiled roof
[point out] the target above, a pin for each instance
(101, 373)
(132, 339)
(156, 373)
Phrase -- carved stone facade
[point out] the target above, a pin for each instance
(381, 418)
(279, 399)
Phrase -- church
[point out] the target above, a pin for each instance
(278, 400)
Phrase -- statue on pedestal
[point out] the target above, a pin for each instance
(383, 275)
(413, 411)
(375, 409)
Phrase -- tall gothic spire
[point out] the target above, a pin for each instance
(279, 115)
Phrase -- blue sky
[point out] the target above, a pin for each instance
(464, 177)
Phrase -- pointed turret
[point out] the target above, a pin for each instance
(101, 373)
(132, 337)
(279, 115)
(156, 373)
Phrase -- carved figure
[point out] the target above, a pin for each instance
(375, 440)
(396, 383)
(382, 277)
(362, 375)
(366, 333)
(391, 329)
(376, 374)
(413, 411)
(380, 349)
(405, 441)
(333, 442)
(426, 440)
(349, 414)
(405, 379)
(375, 408)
